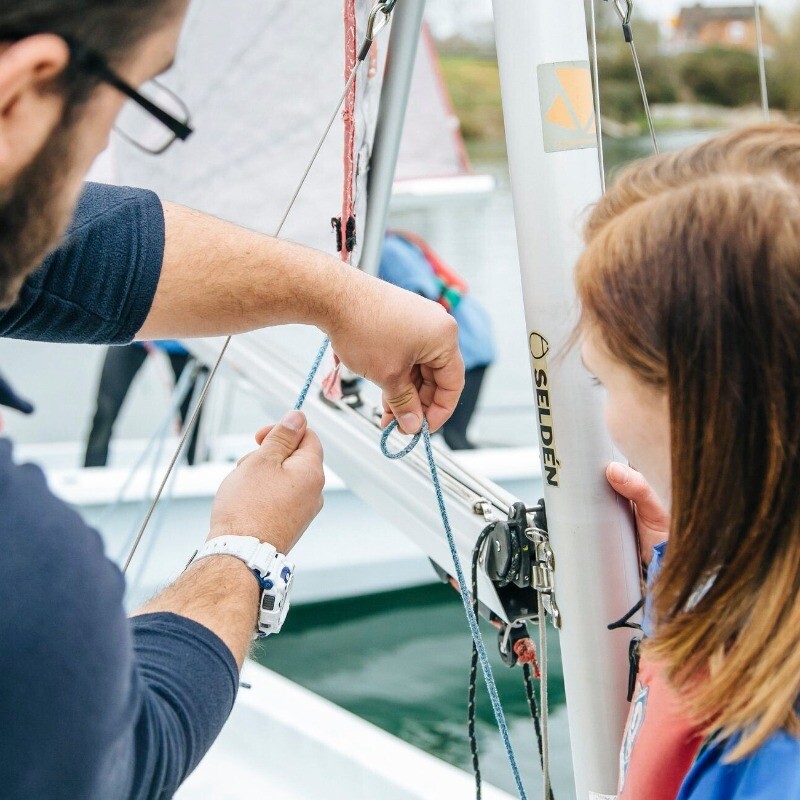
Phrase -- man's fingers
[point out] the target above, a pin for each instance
(262, 434)
(285, 437)
(449, 383)
(444, 402)
(632, 485)
(403, 400)
(433, 391)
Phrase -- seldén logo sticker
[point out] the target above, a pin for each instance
(567, 106)
(540, 347)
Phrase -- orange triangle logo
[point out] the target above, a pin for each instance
(573, 108)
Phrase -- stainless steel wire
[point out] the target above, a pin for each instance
(624, 9)
(762, 62)
(543, 702)
(598, 120)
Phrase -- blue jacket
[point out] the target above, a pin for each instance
(93, 705)
(770, 773)
(404, 265)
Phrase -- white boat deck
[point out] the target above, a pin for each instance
(286, 743)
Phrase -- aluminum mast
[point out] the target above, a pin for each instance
(549, 115)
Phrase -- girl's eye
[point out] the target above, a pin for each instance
(595, 381)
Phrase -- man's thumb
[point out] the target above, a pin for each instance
(285, 437)
(406, 407)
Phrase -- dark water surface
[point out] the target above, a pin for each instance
(401, 661)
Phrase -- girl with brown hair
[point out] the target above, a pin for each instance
(690, 295)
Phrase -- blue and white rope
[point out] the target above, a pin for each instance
(488, 676)
(301, 398)
(491, 686)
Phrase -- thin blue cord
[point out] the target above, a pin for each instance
(301, 398)
(425, 435)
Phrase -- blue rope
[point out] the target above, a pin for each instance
(301, 398)
(425, 435)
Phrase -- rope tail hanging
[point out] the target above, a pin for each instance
(472, 619)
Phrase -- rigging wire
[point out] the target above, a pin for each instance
(545, 743)
(156, 442)
(598, 120)
(762, 65)
(374, 27)
(624, 9)
(163, 509)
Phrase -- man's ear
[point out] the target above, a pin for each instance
(28, 112)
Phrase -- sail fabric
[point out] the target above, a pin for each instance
(261, 81)
(431, 146)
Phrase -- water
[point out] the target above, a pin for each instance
(401, 661)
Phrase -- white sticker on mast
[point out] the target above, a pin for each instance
(543, 56)
(567, 105)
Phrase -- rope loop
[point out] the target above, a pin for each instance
(392, 426)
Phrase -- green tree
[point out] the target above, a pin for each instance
(721, 76)
(783, 71)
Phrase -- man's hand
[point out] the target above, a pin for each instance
(273, 494)
(405, 344)
(276, 491)
(652, 519)
(219, 279)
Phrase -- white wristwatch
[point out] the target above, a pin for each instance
(273, 572)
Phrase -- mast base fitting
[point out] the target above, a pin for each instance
(518, 559)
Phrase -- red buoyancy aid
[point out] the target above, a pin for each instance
(660, 742)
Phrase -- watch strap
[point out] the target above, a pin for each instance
(256, 554)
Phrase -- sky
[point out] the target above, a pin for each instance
(663, 9)
(451, 17)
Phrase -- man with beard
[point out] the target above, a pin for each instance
(93, 705)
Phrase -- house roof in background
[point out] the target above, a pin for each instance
(692, 18)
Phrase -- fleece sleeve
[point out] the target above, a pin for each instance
(98, 286)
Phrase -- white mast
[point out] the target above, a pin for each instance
(548, 107)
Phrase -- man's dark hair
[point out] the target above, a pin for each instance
(110, 28)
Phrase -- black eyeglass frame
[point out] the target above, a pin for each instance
(93, 63)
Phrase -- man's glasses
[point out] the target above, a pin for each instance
(152, 119)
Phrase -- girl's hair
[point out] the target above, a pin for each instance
(691, 276)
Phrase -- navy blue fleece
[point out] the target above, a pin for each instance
(93, 705)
